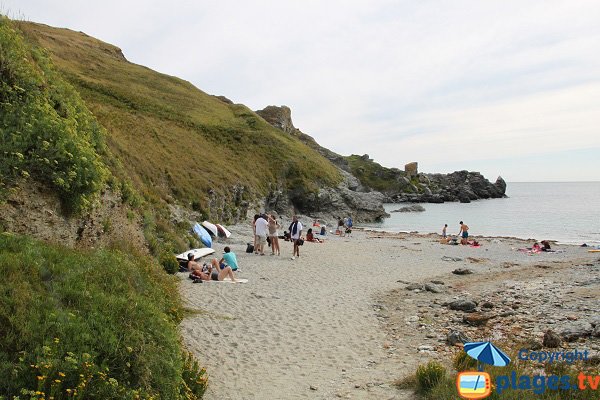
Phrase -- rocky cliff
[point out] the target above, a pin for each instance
(412, 186)
(350, 197)
(367, 185)
(462, 186)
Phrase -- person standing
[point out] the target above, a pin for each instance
(274, 235)
(254, 233)
(444, 234)
(262, 231)
(295, 234)
(464, 233)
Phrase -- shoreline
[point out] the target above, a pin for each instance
(491, 237)
(314, 328)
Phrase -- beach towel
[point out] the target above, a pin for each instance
(227, 280)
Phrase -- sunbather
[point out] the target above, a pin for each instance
(211, 272)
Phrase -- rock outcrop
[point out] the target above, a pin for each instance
(279, 117)
(355, 195)
(350, 197)
(463, 186)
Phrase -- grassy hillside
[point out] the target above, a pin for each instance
(175, 142)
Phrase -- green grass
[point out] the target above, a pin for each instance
(376, 176)
(173, 140)
(97, 317)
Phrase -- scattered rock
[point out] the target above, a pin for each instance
(507, 314)
(313, 387)
(574, 332)
(488, 305)
(411, 208)
(477, 319)
(425, 347)
(455, 337)
(551, 339)
(415, 286)
(447, 258)
(430, 287)
(462, 271)
(437, 282)
(463, 305)
(476, 260)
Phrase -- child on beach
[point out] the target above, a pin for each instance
(444, 235)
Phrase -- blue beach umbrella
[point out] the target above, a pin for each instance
(487, 353)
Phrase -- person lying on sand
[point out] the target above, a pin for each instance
(211, 272)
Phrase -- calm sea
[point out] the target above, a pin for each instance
(568, 212)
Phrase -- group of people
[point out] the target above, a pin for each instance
(463, 233)
(217, 270)
(266, 230)
(344, 226)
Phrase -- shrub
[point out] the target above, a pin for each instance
(464, 362)
(194, 378)
(429, 375)
(114, 317)
(169, 263)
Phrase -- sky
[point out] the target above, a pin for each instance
(504, 87)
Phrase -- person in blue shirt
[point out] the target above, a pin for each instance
(229, 258)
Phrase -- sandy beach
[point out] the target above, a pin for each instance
(313, 328)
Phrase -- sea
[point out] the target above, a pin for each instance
(568, 212)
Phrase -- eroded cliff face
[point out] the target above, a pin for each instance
(350, 197)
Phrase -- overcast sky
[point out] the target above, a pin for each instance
(504, 87)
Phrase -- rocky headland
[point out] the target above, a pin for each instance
(367, 185)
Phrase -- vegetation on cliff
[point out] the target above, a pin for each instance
(46, 131)
(376, 176)
(175, 142)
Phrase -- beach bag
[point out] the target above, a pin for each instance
(250, 248)
(300, 242)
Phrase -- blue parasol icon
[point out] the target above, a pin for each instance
(487, 353)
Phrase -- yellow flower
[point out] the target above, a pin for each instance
(61, 374)
(57, 380)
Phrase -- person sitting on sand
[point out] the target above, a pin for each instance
(464, 233)
(212, 272)
(229, 259)
(311, 237)
(536, 248)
